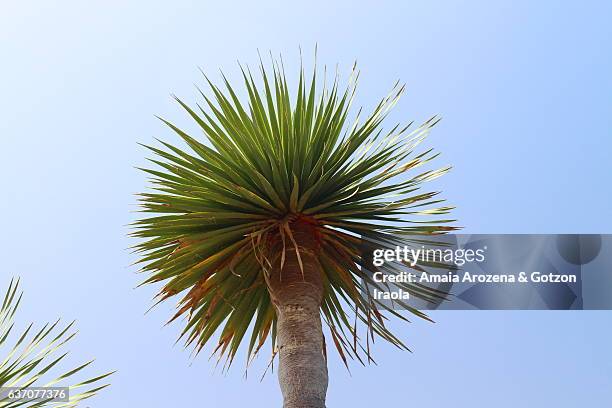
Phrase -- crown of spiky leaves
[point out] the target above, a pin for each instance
(34, 355)
(262, 160)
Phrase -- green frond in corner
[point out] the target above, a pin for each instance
(35, 354)
(263, 164)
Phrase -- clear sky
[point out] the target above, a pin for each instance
(525, 92)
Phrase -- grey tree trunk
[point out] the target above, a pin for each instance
(297, 295)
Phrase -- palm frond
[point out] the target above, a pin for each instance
(35, 355)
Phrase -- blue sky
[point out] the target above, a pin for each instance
(524, 91)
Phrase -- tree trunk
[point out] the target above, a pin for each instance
(297, 294)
